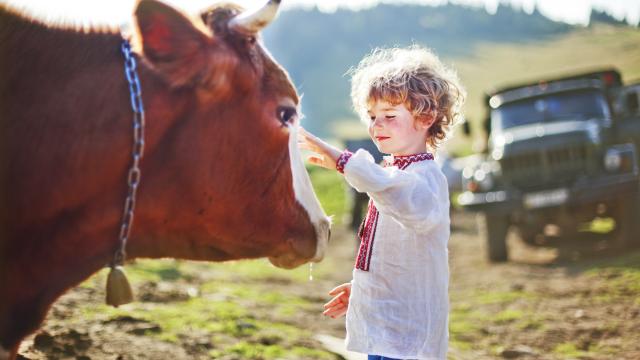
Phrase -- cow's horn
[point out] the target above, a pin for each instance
(254, 21)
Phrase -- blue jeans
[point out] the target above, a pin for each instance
(378, 357)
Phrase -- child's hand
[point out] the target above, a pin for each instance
(325, 155)
(339, 304)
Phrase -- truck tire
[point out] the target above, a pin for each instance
(530, 234)
(496, 228)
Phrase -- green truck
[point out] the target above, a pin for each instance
(560, 153)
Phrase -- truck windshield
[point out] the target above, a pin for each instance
(575, 105)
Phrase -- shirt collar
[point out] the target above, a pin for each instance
(402, 161)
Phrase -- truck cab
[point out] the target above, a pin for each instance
(559, 153)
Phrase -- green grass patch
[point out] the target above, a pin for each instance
(465, 326)
(330, 188)
(500, 297)
(531, 323)
(246, 350)
(153, 270)
(300, 352)
(507, 316)
(619, 278)
(236, 305)
(569, 350)
(250, 351)
(481, 310)
(261, 269)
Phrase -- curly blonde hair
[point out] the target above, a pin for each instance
(413, 76)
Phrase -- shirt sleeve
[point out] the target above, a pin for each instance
(414, 200)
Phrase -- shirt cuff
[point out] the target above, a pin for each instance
(342, 160)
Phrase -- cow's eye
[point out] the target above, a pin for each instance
(286, 114)
(251, 40)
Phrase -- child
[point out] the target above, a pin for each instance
(397, 303)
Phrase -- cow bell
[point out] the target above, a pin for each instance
(118, 289)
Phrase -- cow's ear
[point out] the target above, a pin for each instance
(171, 42)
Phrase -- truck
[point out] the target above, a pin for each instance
(559, 153)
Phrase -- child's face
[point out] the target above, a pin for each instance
(394, 129)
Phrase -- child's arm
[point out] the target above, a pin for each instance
(416, 201)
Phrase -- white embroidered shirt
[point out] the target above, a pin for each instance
(399, 306)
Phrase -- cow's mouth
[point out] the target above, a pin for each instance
(287, 261)
(297, 255)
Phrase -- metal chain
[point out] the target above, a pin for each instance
(133, 178)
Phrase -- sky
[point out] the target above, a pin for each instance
(115, 12)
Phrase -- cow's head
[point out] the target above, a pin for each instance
(226, 181)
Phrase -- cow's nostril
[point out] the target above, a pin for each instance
(329, 236)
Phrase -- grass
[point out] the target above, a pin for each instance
(569, 350)
(478, 318)
(247, 350)
(619, 280)
(244, 315)
(500, 297)
(508, 316)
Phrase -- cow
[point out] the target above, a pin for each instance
(221, 176)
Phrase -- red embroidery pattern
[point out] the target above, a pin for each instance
(342, 161)
(403, 161)
(366, 234)
(367, 230)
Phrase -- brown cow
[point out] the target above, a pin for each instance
(221, 175)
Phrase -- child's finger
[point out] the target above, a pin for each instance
(316, 160)
(340, 313)
(339, 288)
(333, 305)
(306, 146)
(335, 313)
(334, 301)
(333, 309)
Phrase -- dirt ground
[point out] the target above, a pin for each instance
(578, 302)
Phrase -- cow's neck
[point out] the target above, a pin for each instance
(71, 186)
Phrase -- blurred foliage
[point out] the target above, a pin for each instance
(602, 17)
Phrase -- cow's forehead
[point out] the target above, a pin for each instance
(275, 77)
(217, 16)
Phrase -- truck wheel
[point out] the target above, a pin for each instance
(496, 227)
(529, 234)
